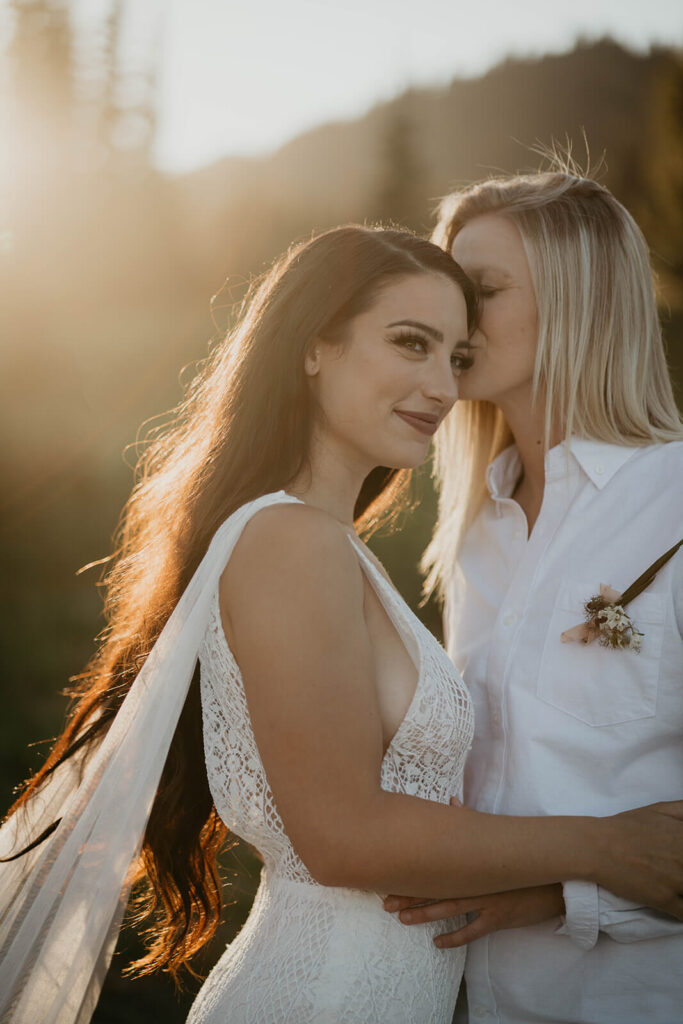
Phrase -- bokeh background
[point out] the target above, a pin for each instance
(155, 154)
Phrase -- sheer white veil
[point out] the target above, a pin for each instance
(61, 905)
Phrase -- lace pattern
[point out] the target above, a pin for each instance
(236, 775)
(309, 953)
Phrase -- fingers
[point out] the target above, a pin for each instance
(417, 910)
(476, 929)
(436, 911)
(394, 903)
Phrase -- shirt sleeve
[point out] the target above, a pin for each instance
(590, 909)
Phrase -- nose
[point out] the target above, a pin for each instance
(440, 384)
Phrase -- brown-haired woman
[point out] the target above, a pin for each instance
(335, 729)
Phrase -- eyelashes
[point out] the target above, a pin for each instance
(461, 362)
(419, 345)
(411, 341)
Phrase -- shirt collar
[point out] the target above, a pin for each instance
(503, 473)
(598, 460)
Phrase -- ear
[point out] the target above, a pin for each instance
(312, 361)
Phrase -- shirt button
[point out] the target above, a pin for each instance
(599, 469)
(496, 717)
(479, 1011)
(509, 618)
(517, 535)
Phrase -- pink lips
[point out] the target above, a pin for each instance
(425, 422)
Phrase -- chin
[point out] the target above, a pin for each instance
(474, 394)
(470, 390)
(476, 387)
(405, 460)
(399, 452)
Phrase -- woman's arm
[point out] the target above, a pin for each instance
(292, 605)
(517, 908)
(588, 909)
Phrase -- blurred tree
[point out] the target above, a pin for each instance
(128, 115)
(659, 209)
(401, 196)
(40, 56)
(38, 101)
(657, 199)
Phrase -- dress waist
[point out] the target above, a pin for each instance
(278, 881)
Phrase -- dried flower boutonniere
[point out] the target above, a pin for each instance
(606, 618)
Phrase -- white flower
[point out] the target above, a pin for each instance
(610, 624)
(614, 617)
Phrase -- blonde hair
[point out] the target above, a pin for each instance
(600, 361)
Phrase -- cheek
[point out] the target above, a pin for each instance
(510, 333)
(354, 392)
(378, 379)
(506, 354)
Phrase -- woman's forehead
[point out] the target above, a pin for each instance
(488, 243)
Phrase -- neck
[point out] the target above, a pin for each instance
(331, 482)
(527, 423)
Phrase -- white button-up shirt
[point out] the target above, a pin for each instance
(575, 729)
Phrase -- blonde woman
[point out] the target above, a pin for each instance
(560, 472)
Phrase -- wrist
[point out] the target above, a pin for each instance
(594, 846)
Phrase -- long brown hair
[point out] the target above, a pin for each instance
(243, 430)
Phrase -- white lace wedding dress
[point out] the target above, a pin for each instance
(311, 954)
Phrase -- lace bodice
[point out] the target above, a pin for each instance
(313, 954)
(425, 757)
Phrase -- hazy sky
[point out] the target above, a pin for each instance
(244, 77)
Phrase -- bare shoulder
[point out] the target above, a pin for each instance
(291, 552)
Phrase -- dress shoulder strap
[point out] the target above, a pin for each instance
(405, 621)
(61, 904)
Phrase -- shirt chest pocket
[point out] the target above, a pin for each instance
(599, 685)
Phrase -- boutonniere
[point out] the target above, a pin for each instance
(606, 619)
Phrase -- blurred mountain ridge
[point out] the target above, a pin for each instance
(470, 129)
(109, 268)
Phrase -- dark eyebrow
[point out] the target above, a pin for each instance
(431, 331)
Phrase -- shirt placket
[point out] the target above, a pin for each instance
(509, 625)
(500, 675)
